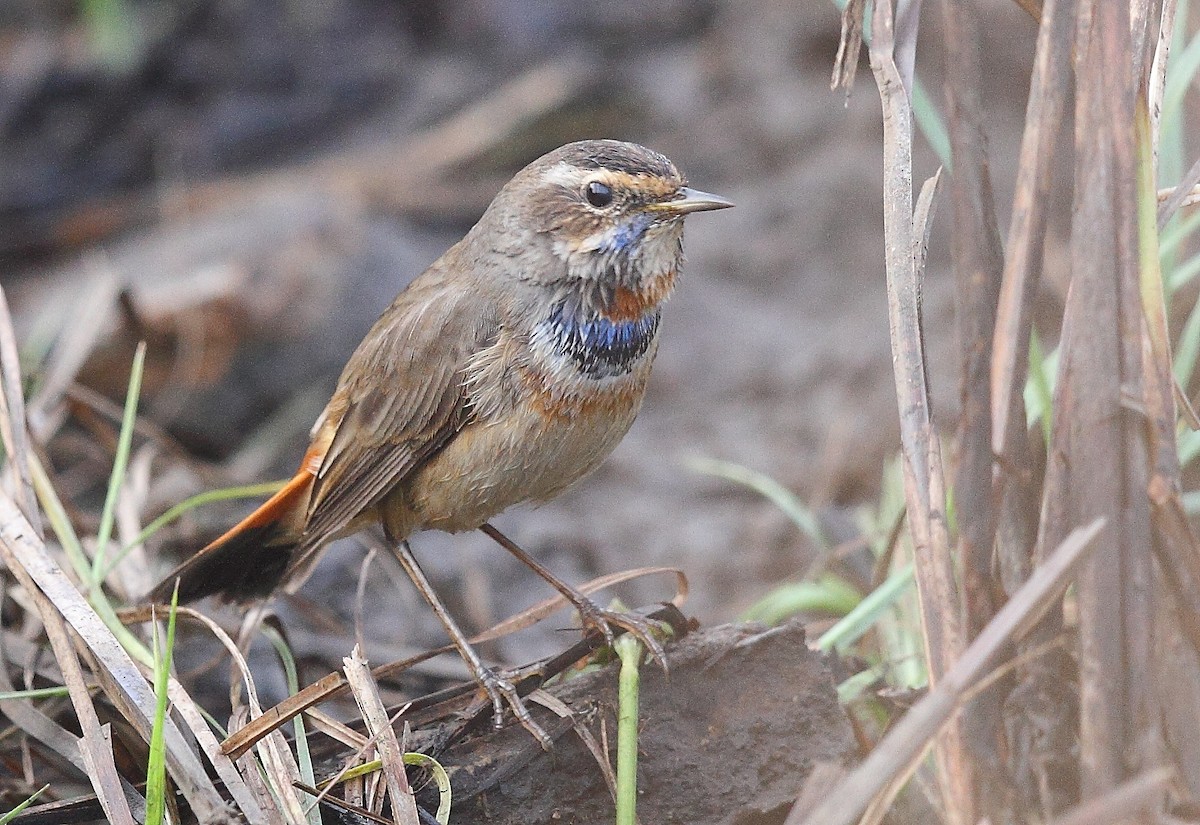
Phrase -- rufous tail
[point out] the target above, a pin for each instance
(250, 559)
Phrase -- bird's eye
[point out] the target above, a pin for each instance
(598, 194)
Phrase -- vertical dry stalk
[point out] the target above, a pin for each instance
(1049, 88)
(1103, 442)
(1040, 718)
(95, 745)
(1158, 71)
(978, 264)
(922, 469)
(924, 483)
(14, 435)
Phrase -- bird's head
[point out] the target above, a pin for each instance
(605, 217)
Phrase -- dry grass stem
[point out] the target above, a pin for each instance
(1191, 196)
(379, 726)
(1104, 444)
(1157, 83)
(1138, 796)
(334, 683)
(921, 474)
(91, 313)
(1186, 193)
(1048, 93)
(914, 732)
(125, 685)
(13, 433)
(97, 749)
(845, 64)
(924, 482)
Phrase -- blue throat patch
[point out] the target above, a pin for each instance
(628, 234)
(600, 347)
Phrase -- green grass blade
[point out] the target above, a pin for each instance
(57, 518)
(930, 123)
(1175, 233)
(35, 693)
(1187, 348)
(1182, 274)
(15, 812)
(1191, 502)
(113, 31)
(854, 687)
(1188, 445)
(156, 768)
(1172, 158)
(1039, 387)
(629, 650)
(795, 509)
(440, 777)
(303, 757)
(1150, 276)
(855, 624)
(133, 646)
(60, 525)
(1184, 66)
(120, 462)
(830, 595)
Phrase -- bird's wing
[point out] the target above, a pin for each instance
(399, 400)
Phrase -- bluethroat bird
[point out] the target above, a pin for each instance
(504, 373)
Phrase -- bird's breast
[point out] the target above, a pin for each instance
(597, 346)
(548, 403)
(534, 433)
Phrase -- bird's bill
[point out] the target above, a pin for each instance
(691, 200)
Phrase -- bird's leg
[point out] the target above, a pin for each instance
(591, 615)
(499, 690)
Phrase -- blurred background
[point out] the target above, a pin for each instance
(244, 184)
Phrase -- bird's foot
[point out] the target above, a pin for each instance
(501, 691)
(595, 618)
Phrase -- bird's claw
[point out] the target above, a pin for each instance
(501, 691)
(598, 619)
